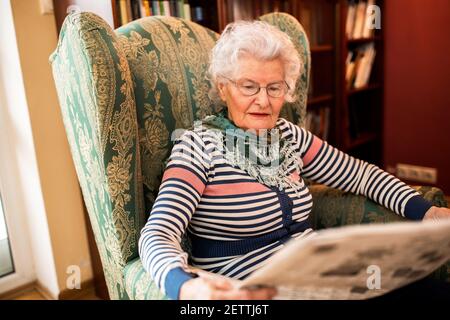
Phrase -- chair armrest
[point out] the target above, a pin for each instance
(333, 208)
(138, 283)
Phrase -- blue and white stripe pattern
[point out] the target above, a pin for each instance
(234, 222)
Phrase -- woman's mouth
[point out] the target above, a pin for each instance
(259, 114)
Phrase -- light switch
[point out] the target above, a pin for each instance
(46, 6)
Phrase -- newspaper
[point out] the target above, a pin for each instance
(355, 262)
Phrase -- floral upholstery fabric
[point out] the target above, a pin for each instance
(122, 94)
(95, 91)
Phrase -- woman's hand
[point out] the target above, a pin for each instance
(214, 287)
(437, 213)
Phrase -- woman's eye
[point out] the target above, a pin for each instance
(274, 89)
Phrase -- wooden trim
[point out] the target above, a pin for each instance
(44, 291)
(26, 288)
(11, 294)
(86, 289)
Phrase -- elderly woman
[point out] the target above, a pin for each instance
(235, 182)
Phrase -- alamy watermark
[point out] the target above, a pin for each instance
(73, 281)
(373, 17)
(374, 280)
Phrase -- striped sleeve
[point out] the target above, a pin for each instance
(325, 164)
(181, 188)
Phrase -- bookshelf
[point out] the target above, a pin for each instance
(361, 96)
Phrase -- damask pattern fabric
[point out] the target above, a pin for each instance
(95, 91)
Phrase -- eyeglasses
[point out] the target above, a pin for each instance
(250, 88)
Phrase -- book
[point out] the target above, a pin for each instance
(197, 14)
(173, 8)
(367, 54)
(359, 65)
(187, 11)
(123, 12)
(166, 8)
(135, 9)
(350, 20)
(359, 19)
(180, 8)
(353, 262)
(145, 8)
(156, 10)
(368, 29)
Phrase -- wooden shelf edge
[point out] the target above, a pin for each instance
(363, 40)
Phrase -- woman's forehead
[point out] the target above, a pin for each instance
(259, 70)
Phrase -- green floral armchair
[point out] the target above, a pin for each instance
(122, 93)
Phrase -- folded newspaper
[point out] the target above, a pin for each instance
(355, 262)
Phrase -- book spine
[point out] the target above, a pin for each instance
(360, 18)
(187, 11)
(146, 11)
(135, 9)
(180, 8)
(367, 28)
(155, 8)
(166, 6)
(123, 12)
(173, 8)
(129, 11)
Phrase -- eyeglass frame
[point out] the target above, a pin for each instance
(287, 88)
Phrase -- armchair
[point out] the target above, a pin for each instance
(122, 93)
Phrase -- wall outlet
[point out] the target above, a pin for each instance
(416, 173)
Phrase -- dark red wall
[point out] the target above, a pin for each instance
(417, 85)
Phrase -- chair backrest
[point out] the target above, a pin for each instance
(122, 93)
(95, 91)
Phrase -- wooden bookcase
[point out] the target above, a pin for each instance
(354, 116)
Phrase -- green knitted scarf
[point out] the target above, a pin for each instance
(266, 156)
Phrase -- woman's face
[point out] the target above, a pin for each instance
(259, 111)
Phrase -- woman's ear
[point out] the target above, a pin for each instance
(221, 87)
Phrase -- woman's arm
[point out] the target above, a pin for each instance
(327, 165)
(182, 185)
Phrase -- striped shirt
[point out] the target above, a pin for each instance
(234, 222)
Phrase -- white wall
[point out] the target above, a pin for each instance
(37, 37)
(19, 176)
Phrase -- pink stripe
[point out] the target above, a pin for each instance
(185, 175)
(240, 188)
(312, 151)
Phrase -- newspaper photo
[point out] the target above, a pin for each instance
(355, 262)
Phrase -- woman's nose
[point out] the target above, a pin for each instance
(262, 98)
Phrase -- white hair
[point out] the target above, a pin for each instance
(259, 40)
